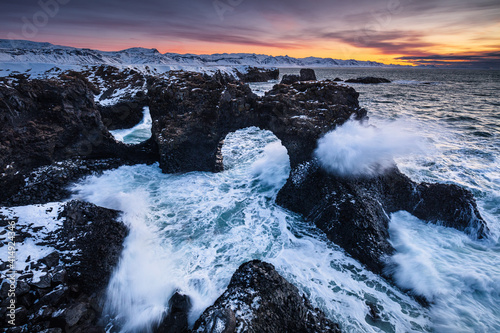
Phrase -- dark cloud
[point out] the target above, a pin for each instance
(484, 60)
(386, 42)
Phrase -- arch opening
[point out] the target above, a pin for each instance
(258, 153)
(140, 133)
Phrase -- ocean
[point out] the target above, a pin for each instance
(190, 232)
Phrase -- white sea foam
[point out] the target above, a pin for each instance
(190, 232)
(459, 275)
(273, 168)
(358, 149)
(137, 134)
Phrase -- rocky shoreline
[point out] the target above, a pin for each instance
(56, 131)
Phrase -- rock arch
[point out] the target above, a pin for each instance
(192, 113)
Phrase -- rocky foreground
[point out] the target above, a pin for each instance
(55, 131)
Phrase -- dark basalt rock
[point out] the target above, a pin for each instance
(337, 79)
(450, 205)
(99, 243)
(193, 113)
(258, 299)
(368, 80)
(176, 321)
(256, 74)
(353, 212)
(44, 121)
(68, 296)
(124, 114)
(349, 215)
(289, 79)
(307, 74)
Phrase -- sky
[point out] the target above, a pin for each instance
(417, 32)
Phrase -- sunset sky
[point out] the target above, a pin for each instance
(389, 31)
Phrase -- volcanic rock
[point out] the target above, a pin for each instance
(256, 74)
(176, 320)
(258, 299)
(44, 121)
(89, 245)
(307, 74)
(193, 113)
(289, 79)
(353, 211)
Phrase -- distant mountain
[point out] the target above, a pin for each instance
(21, 51)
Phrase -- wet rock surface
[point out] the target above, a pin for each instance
(353, 212)
(290, 79)
(67, 293)
(258, 299)
(176, 321)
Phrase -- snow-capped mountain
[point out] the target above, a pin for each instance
(21, 51)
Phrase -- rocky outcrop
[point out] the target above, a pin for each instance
(368, 80)
(176, 321)
(258, 299)
(353, 212)
(290, 79)
(121, 95)
(44, 121)
(67, 294)
(193, 113)
(306, 74)
(256, 74)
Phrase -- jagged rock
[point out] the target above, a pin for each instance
(99, 243)
(368, 80)
(43, 121)
(348, 214)
(262, 301)
(69, 296)
(307, 74)
(123, 114)
(193, 113)
(221, 321)
(176, 320)
(44, 282)
(289, 79)
(22, 288)
(337, 79)
(59, 277)
(256, 74)
(353, 212)
(51, 260)
(73, 314)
